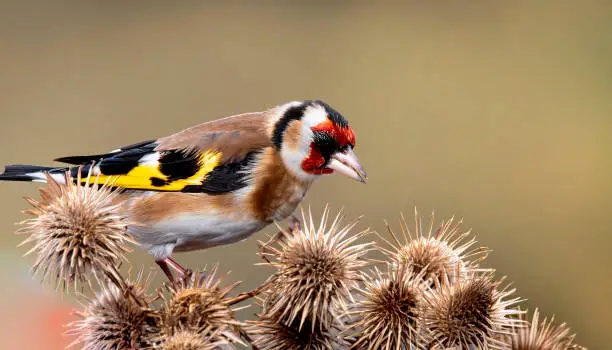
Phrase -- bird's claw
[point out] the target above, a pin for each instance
(294, 224)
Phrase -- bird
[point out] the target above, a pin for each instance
(219, 182)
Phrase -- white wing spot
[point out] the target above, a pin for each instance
(151, 159)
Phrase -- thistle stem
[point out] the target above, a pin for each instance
(250, 294)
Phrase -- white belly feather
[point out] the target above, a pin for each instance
(193, 232)
(204, 230)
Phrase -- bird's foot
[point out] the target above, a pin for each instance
(294, 224)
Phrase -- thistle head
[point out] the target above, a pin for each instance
(387, 314)
(191, 340)
(197, 303)
(271, 332)
(76, 231)
(472, 312)
(117, 319)
(543, 335)
(441, 255)
(316, 268)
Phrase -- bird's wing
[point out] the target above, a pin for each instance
(236, 136)
(207, 158)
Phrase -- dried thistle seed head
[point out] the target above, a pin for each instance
(191, 340)
(387, 314)
(440, 255)
(543, 335)
(473, 312)
(199, 302)
(76, 231)
(117, 319)
(270, 332)
(316, 269)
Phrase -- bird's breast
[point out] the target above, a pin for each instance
(275, 192)
(287, 207)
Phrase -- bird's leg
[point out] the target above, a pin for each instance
(294, 225)
(163, 264)
(166, 264)
(179, 269)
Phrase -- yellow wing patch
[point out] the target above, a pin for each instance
(150, 177)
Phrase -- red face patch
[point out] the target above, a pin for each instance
(343, 136)
(313, 164)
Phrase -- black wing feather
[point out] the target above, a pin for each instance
(78, 160)
(176, 164)
(227, 177)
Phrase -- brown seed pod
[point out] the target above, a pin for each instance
(117, 319)
(473, 312)
(440, 256)
(543, 335)
(387, 313)
(199, 302)
(77, 233)
(316, 268)
(191, 340)
(270, 332)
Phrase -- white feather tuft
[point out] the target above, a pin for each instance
(40, 176)
(151, 159)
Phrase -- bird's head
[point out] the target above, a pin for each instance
(314, 139)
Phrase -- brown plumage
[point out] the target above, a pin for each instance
(235, 136)
(277, 191)
(221, 181)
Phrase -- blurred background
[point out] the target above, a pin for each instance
(497, 112)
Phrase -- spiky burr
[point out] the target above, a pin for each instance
(543, 335)
(199, 302)
(316, 269)
(471, 313)
(388, 311)
(117, 319)
(77, 233)
(271, 332)
(441, 254)
(192, 340)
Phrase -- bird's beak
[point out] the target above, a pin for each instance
(348, 164)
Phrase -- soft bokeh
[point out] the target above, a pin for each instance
(496, 111)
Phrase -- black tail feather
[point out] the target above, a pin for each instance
(78, 160)
(22, 172)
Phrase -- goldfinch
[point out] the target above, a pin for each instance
(218, 182)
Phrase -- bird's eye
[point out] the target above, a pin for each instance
(346, 147)
(326, 144)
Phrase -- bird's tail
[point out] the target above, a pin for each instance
(32, 173)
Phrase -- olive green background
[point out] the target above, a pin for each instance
(495, 111)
